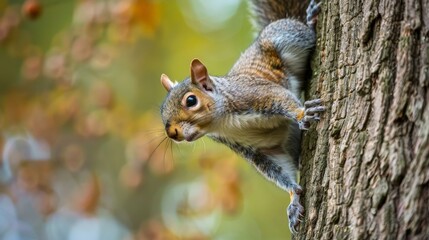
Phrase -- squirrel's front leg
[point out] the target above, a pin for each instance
(274, 99)
(281, 170)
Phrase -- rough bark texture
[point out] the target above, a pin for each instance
(365, 166)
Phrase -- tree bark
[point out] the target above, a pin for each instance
(365, 166)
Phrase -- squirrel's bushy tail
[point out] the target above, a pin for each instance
(267, 11)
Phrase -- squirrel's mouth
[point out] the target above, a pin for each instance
(194, 136)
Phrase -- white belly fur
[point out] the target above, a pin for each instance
(252, 130)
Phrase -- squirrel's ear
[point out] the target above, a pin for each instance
(199, 75)
(166, 82)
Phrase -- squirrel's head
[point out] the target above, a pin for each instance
(187, 111)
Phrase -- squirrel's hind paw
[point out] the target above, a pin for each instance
(312, 11)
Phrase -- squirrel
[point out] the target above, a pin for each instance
(255, 109)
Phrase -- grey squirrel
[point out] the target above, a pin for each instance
(254, 109)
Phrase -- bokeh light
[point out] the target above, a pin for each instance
(83, 152)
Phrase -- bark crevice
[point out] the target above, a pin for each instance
(365, 166)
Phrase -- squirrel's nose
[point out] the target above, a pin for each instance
(172, 132)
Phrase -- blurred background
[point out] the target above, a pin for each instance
(83, 152)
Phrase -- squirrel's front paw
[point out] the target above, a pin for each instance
(294, 211)
(311, 113)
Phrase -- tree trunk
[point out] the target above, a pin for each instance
(365, 166)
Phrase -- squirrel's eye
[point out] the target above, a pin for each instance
(191, 101)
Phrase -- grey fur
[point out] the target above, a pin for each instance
(255, 108)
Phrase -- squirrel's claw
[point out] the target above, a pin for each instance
(310, 112)
(312, 11)
(313, 102)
